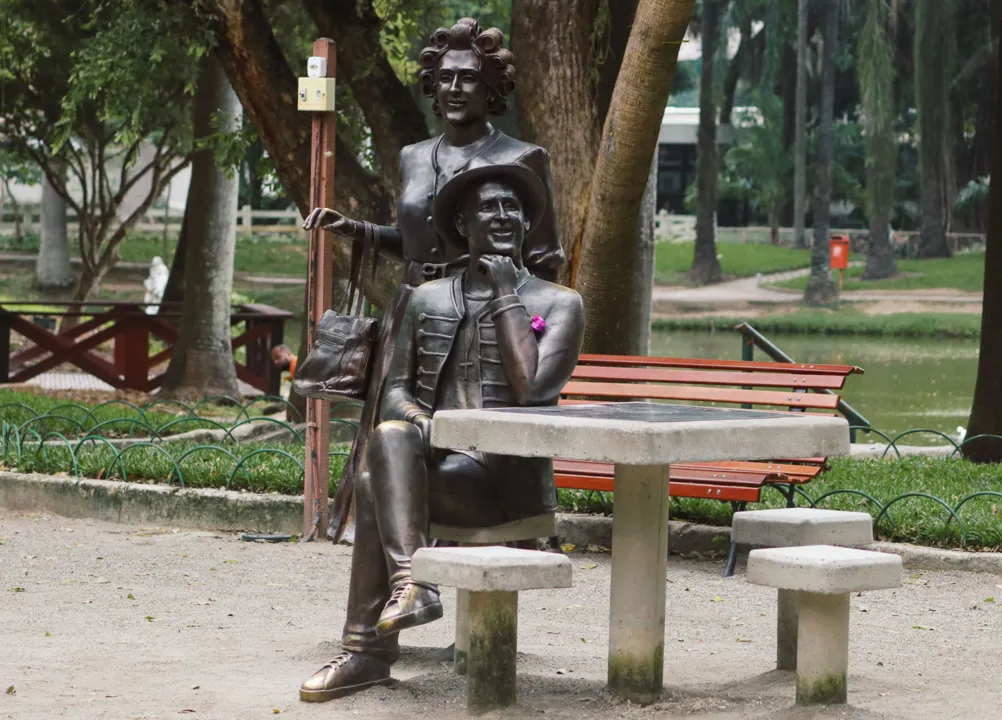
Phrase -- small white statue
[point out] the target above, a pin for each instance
(155, 284)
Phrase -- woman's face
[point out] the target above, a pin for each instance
(461, 94)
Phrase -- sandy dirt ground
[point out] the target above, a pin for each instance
(125, 623)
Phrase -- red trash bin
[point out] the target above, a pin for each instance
(839, 249)
(838, 253)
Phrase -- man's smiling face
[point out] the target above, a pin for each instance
(493, 220)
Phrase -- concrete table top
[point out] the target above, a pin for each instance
(641, 433)
(642, 439)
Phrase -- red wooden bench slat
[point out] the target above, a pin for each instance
(707, 394)
(731, 493)
(784, 472)
(707, 377)
(699, 363)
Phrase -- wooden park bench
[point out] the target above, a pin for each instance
(788, 387)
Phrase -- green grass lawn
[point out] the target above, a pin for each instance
(116, 417)
(841, 321)
(282, 254)
(918, 520)
(961, 272)
(271, 469)
(673, 260)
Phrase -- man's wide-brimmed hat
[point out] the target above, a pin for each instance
(530, 189)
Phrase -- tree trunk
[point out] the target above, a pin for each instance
(557, 101)
(986, 411)
(639, 317)
(734, 70)
(52, 270)
(629, 139)
(820, 288)
(705, 265)
(202, 361)
(876, 81)
(255, 183)
(934, 40)
(174, 291)
(263, 80)
(800, 132)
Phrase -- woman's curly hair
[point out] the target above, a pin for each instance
(496, 62)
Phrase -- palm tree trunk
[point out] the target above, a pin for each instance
(800, 132)
(876, 88)
(202, 361)
(629, 138)
(705, 266)
(986, 411)
(820, 288)
(934, 51)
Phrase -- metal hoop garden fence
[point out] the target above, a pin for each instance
(73, 438)
(79, 440)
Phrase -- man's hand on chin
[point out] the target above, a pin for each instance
(501, 271)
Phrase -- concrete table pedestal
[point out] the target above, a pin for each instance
(641, 439)
(639, 565)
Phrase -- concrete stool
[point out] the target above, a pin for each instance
(530, 528)
(493, 576)
(791, 527)
(822, 578)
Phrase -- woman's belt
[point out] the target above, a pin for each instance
(417, 273)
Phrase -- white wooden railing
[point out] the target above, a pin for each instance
(248, 220)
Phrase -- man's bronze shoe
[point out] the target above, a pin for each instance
(347, 673)
(410, 605)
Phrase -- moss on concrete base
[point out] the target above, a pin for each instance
(637, 679)
(490, 669)
(830, 690)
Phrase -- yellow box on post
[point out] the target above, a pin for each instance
(316, 94)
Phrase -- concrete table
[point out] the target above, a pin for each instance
(642, 439)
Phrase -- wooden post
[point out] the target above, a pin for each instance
(4, 346)
(320, 294)
(246, 219)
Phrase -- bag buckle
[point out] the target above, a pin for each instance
(431, 269)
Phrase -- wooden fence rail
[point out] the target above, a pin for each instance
(130, 329)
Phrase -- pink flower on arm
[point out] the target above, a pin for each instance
(537, 323)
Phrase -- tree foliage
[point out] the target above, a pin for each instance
(758, 165)
(104, 87)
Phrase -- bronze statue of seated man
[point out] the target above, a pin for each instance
(492, 336)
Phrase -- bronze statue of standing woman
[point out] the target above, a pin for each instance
(468, 72)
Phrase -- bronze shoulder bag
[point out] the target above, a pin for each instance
(344, 345)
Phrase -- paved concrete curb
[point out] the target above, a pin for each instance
(140, 504)
(916, 557)
(136, 503)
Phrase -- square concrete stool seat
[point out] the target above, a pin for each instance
(822, 577)
(790, 527)
(530, 528)
(493, 576)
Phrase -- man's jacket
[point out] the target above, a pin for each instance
(427, 337)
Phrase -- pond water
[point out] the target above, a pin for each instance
(908, 382)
